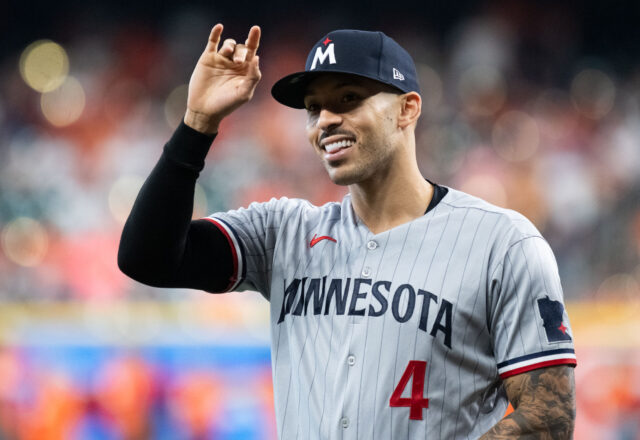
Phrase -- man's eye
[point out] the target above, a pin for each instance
(312, 108)
(349, 97)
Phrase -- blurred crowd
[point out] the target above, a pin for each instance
(99, 393)
(523, 119)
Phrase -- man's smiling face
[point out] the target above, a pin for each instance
(351, 123)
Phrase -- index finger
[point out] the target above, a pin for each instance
(253, 41)
(214, 38)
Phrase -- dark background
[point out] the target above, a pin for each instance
(598, 28)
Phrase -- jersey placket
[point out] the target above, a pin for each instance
(366, 270)
(367, 274)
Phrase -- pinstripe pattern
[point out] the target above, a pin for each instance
(458, 288)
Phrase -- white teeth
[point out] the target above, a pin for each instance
(335, 146)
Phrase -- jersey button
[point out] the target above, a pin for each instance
(351, 360)
(371, 245)
(366, 272)
(344, 422)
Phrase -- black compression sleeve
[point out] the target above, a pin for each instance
(160, 245)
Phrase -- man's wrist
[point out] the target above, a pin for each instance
(188, 148)
(201, 122)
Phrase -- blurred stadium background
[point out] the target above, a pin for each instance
(533, 105)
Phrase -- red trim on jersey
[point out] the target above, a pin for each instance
(234, 276)
(526, 368)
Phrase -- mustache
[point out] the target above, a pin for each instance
(335, 132)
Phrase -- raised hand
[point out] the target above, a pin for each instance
(222, 80)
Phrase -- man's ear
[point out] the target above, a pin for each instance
(410, 109)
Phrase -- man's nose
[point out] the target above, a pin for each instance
(328, 119)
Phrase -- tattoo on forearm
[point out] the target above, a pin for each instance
(544, 403)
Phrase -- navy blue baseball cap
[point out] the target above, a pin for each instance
(371, 55)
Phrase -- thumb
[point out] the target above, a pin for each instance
(255, 68)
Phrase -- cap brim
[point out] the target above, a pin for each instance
(291, 89)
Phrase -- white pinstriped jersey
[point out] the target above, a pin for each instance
(402, 334)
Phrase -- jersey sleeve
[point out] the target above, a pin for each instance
(252, 234)
(528, 321)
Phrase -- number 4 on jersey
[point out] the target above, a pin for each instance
(416, 402)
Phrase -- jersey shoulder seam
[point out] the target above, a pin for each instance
(523, 239)
(510, 214)
(500, 261)
(493, 211)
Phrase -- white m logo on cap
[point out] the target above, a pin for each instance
(321, 56)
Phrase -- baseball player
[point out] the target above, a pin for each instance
(408, 309)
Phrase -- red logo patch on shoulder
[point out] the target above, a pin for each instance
(315, 240)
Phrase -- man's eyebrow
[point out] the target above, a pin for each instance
(353, 83)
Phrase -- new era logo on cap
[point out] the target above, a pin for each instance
(366, 54)
(397, 74)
